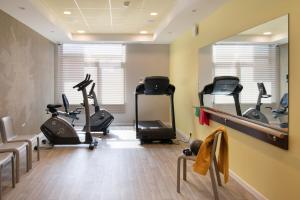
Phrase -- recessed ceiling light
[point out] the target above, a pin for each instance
(67, 12)
(80, 31)
(126, 3)
(153, 13)
(267, 33)
(150, 20)
(143, 32)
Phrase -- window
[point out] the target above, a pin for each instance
(252, 64)
(105, 63)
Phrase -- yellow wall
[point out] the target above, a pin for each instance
(270, 170)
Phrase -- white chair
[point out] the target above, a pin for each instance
(4, 159)
(213, 169)
(9, 136)
(16, 148)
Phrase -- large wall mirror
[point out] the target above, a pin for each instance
(256, 61)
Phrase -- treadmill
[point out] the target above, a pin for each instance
(148, 131)
(224, 85)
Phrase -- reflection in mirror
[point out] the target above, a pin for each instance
(247, 74)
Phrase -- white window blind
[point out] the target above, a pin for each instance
(105, 63)
(252, 64)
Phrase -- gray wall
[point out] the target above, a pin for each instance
(27, 74)
(284, 68)
(145, 60)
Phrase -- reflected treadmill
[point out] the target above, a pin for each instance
(148, 131)
(224, 85)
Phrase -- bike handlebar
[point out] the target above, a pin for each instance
(92, 90)
(84, 85)
(87, 78)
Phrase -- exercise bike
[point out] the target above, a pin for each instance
(59, 131)
(70, 114)
(281, 112)
(255, 113)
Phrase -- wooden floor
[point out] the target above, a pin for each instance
(119, 169)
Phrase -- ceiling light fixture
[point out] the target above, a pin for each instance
(80, 31)
(67, 12)
(126, 3)
(267, 33)
(153, 13)
(143, 32)
(150, 20)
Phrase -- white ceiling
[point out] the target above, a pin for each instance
(278, 26)
(110, 20)
(109, 16)
(278, 29)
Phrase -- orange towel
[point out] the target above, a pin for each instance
(203, 158)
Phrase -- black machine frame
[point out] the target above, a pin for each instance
(155, 85)
(101, 119)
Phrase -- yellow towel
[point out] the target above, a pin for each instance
(203, 158)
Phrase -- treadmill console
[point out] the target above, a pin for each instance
(155, 85)
(225, 85)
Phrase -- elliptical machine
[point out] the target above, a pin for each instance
(59, 131)
(255, 113)
(101, 119)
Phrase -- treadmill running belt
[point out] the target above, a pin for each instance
(151, 124)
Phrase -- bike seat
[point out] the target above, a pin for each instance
(52, 106)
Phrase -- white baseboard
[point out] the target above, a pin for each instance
(182, 135)
(246, 186)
